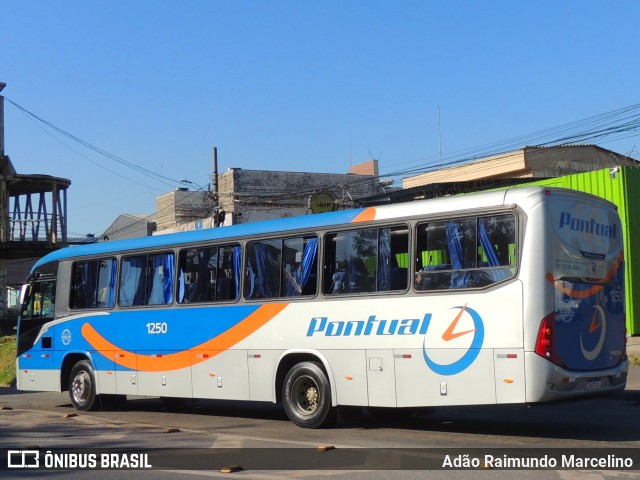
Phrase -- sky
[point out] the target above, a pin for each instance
(294, 86)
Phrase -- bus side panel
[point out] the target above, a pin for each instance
(126, 378)
(510, 375)
(35, 367)
(67, 340)
(381, 378)
(165, 383)
(222, 374)
(417, 387)
(106, 375)
(261, 371)
(35, 370)
(350, 375)
(472, 351)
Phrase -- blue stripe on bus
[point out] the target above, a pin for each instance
(232, 232)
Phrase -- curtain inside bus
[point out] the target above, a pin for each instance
(460, 278)
(237, 258)
(302, 274)
(384, 259)
(491, 253)
(162, 279)
(131, 281)
(113, 275)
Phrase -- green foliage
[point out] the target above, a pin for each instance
(7, 360)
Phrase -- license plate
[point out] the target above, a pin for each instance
(594, 385)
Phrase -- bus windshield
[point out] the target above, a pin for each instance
(39, 300)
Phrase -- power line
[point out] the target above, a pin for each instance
(616, 124)
(89, 159)
(138, 168)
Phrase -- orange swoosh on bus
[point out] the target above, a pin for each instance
(595, 325)
(449, 334)
(365, 216)
(591, 291)
(183, 359)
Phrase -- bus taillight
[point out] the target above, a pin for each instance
(545, 346)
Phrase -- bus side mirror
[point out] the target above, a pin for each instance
(23, 293)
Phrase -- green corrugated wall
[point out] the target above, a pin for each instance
(623, 189)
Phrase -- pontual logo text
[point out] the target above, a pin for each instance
(371, 326)
(586, 226)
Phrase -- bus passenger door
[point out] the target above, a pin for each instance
(381, 380)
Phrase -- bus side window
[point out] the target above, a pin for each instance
(472, 252)
(228, 271)
(208, 274)
(160, 285)
(433, 264)
(93, 284)
(197, 275)
(496, 236)
(299, 266)
(146, 280)
(345, 261)
(262, 276)
(281, 268)
(366, 261)
(393, 259)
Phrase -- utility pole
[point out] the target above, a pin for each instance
(215, 173)
(439, 138)
(2, 85)
(218, 215)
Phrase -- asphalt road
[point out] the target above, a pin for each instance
(260, 434)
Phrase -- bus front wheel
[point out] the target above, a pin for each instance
(306, 396)
(82, 386)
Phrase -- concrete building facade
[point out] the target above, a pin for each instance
(129, 225)
(245, 196)
(182, 206)
(254, 195)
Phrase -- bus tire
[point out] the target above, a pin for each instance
(82, 386)
(306, 396)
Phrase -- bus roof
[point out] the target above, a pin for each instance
(304, 222)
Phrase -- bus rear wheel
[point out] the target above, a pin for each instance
(306, 396)
(82, 386)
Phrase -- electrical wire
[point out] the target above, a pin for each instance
(616, 124)
(137, 168)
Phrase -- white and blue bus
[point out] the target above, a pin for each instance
(511, 296)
